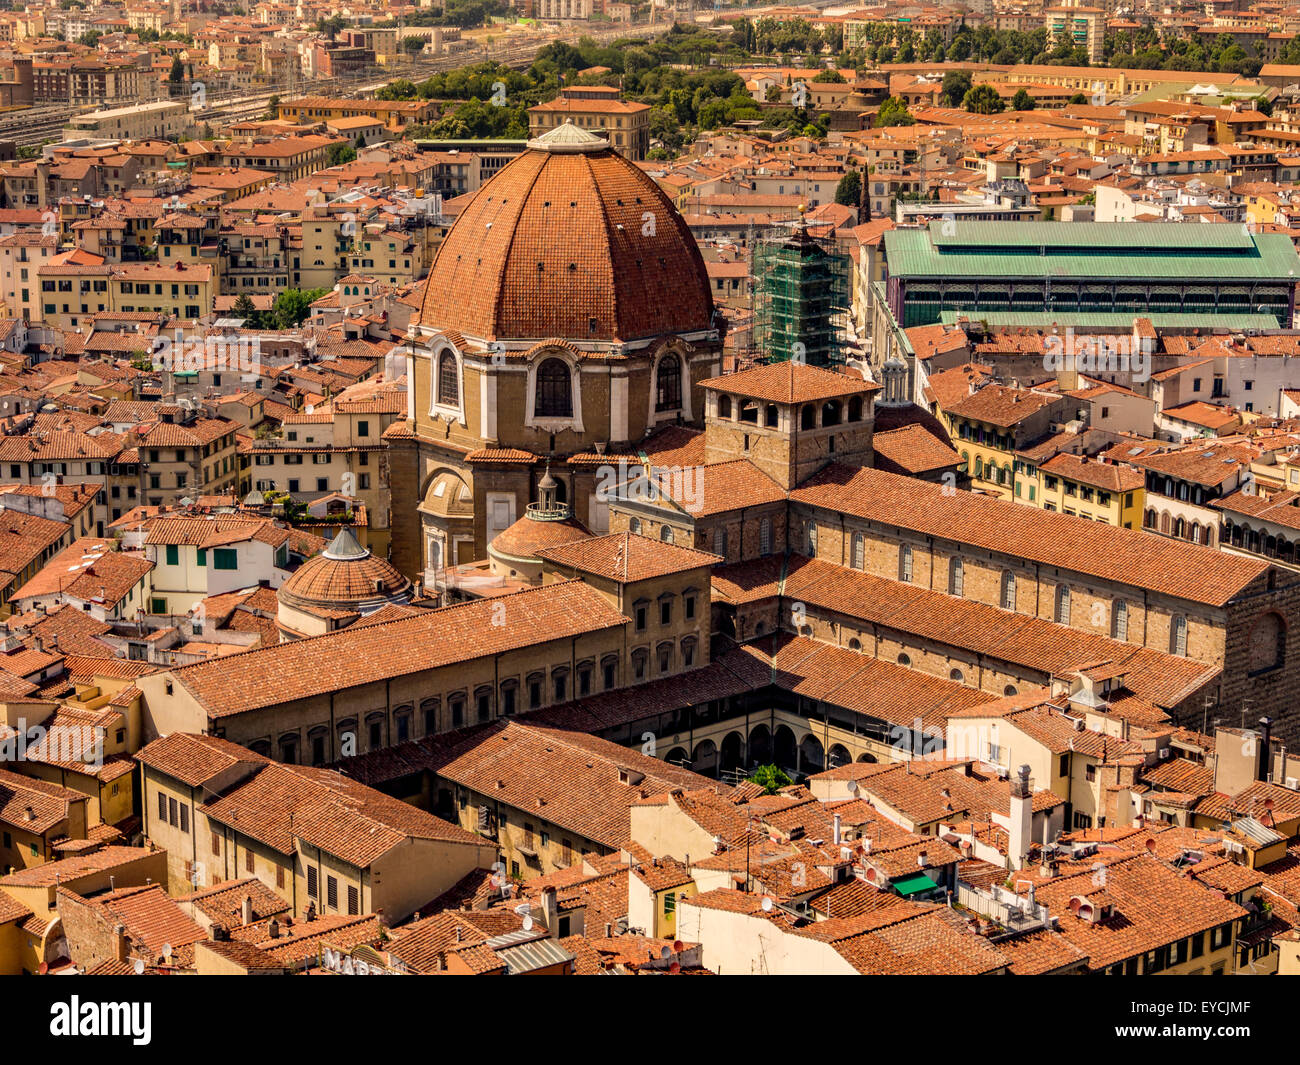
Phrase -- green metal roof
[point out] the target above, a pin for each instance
(1158, 236)
(913, 885)
(1144, 251)
(1208, 323)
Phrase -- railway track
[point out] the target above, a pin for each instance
(37, 125)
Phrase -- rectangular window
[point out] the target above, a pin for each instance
(354, 900)
(225, 558)
(173, 813)
(312, 882)
(185, 819)
(173, 555)
(248, 861)
(279, 876)
(162, 807)
(201, 555)
(216, 845)
(331, 893)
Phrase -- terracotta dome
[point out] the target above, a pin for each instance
(345, 576)
(569, 240)
(522, 540)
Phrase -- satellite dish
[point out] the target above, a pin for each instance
(665, 953)
(528, 924)
(767, 905)
(167, 951)
(138, 967)
(678, 946)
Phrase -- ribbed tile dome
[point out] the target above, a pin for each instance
(569, 240)
(345, 576)
(527, 536)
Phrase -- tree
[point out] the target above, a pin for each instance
(292, 306)
(413, 46)
(829, 75)
(983, 100)
(330, 26)
(1078, 98)
(1022, 101)
(849, 190)
(243, 308)
(177, 73)
(341, 153)
(771, 778)
(894, 112)
(956, 84)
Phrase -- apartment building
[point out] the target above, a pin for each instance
(324, 844)
(598, 109)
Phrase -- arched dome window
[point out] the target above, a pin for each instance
(668, 383)
(448, 380)
(554, 396)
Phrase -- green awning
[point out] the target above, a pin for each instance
(914, 885)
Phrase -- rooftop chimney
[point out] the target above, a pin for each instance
(1021, 821)
(1265, 756)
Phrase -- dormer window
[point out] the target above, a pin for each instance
(668, 383)
(448, 380)
(554, 398)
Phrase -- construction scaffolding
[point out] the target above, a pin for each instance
(801, 298)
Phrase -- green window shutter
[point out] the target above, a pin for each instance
(173, 555)
(203, 556)
(225, 558)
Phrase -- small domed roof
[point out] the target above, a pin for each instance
(527, 536)
(345, 576)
